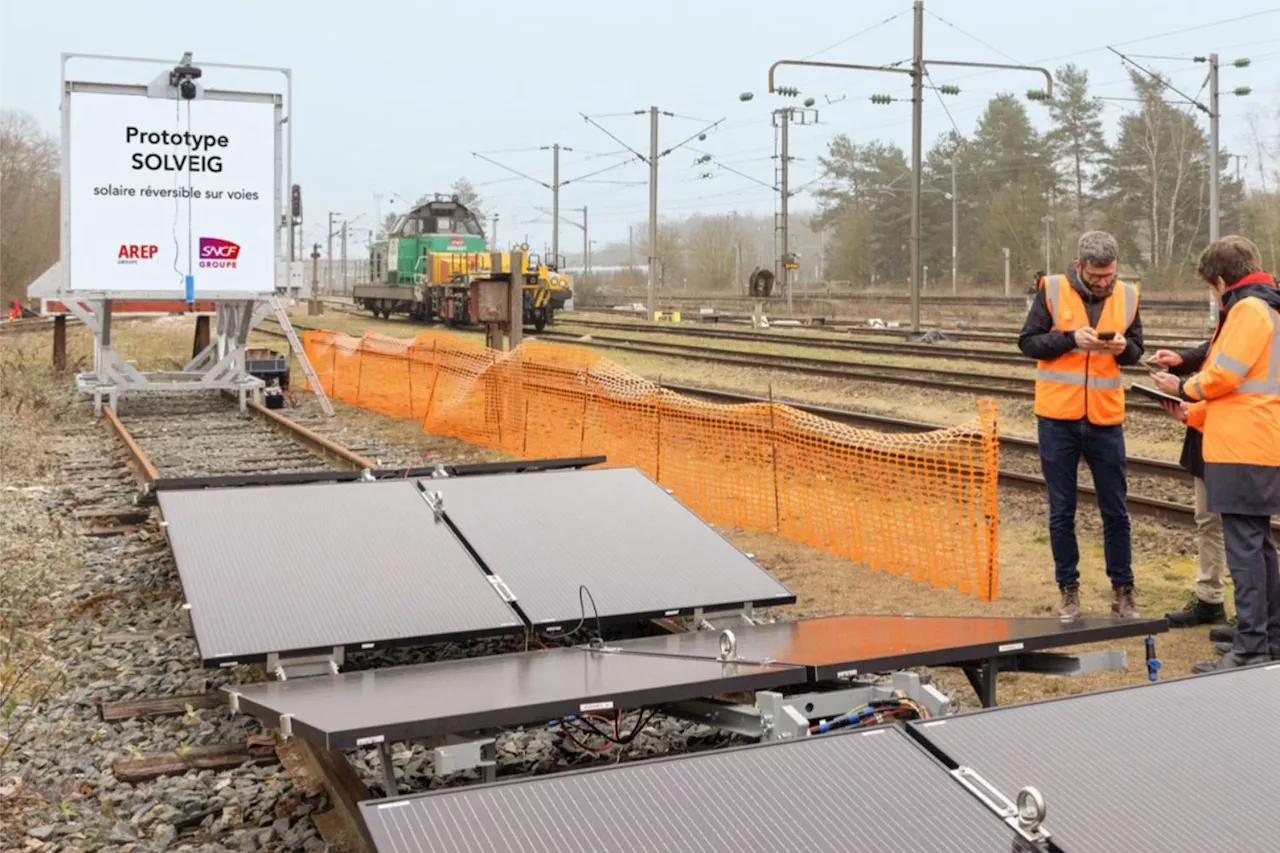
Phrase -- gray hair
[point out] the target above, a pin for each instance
(1098, 248)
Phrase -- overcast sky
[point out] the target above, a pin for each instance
(393, 98)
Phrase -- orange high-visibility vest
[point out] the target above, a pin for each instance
(1241, 384)
(1081, 384)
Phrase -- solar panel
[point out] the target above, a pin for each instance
(845, 646)
(1182, 766)
(401, 703)
(863, 792)
(286, 569)
(638, 551)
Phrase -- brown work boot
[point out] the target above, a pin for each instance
(1069, 605)
(1122, 603)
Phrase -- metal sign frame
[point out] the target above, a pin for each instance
(221, 366)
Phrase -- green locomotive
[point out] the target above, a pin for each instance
(426, 265)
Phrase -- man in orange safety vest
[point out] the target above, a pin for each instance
(1083, 325)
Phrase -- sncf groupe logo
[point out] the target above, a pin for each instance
(216, 253)
(131, 253)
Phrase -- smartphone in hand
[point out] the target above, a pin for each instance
(1106, 336)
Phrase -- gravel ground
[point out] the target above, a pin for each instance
(102, 621)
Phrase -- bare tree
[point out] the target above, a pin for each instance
(29, 198)
(712, 245)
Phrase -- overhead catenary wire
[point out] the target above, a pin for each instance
(970, 35)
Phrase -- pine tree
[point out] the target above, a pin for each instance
(1076, 139)
(1007, 176)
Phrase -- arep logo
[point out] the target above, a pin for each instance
(457, 243)
(216, 253)
(131, 253)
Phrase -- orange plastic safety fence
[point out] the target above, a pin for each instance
(922, 505)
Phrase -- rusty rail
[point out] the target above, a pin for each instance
(315, 442)
(141, 466)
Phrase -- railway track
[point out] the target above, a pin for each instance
(837, 344)
(775, 303)
(1004, 336)
(956, 381)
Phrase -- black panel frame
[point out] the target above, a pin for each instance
(954, 656)
(766, 677)
(368, 807)
(914, 727)
(1060, 841)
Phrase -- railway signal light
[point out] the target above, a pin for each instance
(297, 203)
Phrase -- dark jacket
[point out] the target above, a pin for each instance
(1192, 458)
(1039, 340)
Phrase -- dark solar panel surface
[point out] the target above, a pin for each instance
(530, 687)
(1184, 766)
(291, 568)
(635, 547)
(844, 646)
(867, 792)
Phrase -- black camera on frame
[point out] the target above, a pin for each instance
(183, 77)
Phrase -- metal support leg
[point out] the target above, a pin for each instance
(60, 343)
(489, 757)
(982, 677)
(388, 770)
(201, 339)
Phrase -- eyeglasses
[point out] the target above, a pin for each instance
(1097, 278)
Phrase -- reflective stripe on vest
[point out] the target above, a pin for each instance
(1270, 385)
(1078, 384)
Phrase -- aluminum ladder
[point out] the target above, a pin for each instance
(282, 317)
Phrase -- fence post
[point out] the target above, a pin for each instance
(657, 465)
(333, 369)
(435, 380)
(409, 364)
(773, 448)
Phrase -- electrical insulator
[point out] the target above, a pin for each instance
(881, 99)
(949, 90)
(1037, 95)
(789, 91)
(1243, 62)
(1241, 90)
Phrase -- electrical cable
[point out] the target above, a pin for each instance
(970, 35)
(848, 39)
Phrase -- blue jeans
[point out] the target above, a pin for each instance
(1062, 444)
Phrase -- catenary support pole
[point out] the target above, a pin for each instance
(917, 130)
(555, 200)
(1214, 175)
(784, 272)
(955, 228)
(653, 210)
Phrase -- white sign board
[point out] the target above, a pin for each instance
(171, 197)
